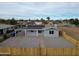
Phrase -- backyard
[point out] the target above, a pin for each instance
(20, 41)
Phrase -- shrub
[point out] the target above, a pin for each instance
(1, 38)
(5, 36)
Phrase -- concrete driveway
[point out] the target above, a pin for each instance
(20, 41)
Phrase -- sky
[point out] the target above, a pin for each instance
(34, 10)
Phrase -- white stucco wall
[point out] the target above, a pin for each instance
(30, 33)
(45, 33)
(33, 33)
(56, 33)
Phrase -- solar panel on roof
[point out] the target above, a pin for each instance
(35, 26)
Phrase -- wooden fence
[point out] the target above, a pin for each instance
(39, 51)
(70, 38)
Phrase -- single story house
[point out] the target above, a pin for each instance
(41, 30)
(5, 28)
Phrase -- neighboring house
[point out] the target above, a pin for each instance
(37, 30)
(51, 32)
(23, 22)
(38, 23)
(50, 23)
(4, 28)
(33, 30)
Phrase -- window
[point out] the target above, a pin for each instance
(32, 31)
(51, 32)
(1, 31)
(39, 31)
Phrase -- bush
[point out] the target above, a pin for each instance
(1, 38)
(4, 37)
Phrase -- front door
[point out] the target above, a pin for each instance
(40, 32)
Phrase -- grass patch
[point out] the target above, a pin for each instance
(4, 37)
(1, 38)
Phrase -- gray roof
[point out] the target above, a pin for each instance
(52, 28)
(35, 26)
(2, 26)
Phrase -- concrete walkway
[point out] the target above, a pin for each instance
(59, 42)
(20, 41)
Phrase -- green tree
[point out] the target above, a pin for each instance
(42, 19)
(48, 18)
(2, 21)
(76, 22)
(71, 21)
(13, 21)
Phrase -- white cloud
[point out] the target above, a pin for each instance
(38, 9)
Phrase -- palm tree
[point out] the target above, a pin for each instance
(48, 18)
